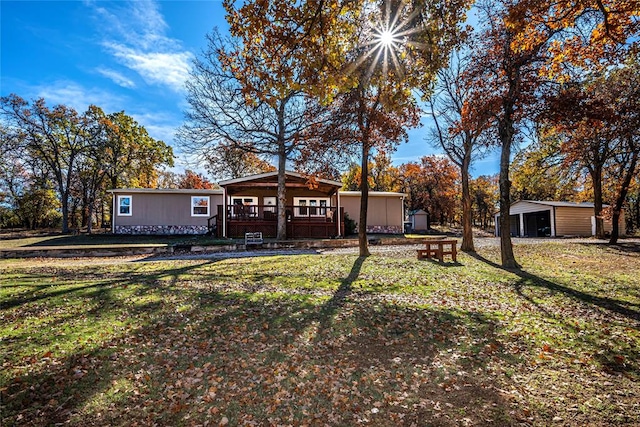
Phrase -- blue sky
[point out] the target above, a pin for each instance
(124, 55)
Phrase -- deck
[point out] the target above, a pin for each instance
(302, 222)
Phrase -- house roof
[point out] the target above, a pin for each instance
(559, 204)
(418, 212)
(166, 191)
(372, 194)
(269, 180)
(266, 175)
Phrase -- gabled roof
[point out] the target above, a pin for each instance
(560, 204)
(166, 191)
(372, 194)
(418, 212)
(266, 175)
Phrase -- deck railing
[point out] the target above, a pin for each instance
(270, 213)
(302, 221)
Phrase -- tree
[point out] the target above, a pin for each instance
(410, 177)
(485, 194)
(622, 90)
(504, 79)
(632, 214)
(191, 179)
(331, 48)
(132, 157)
(229, 161)
(57, 137)
(374, 123)
(409, 44)
(540, 173)
(458, 131)
(383, 176)
(524, 40)
(431, 185)
(237, 108)
(598, 122)
(91, 171)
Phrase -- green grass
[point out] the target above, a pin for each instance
(325, 339)
(8, 241)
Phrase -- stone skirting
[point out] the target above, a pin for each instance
(384, 229)
(161, 229)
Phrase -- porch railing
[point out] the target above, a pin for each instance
(302, 221)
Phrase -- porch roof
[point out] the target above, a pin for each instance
(269, 180)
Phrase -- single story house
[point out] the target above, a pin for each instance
(163, 211)
(385, 213)
(314, 208)
(533, 218)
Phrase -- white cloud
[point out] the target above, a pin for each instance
(75, 95)
(162, 68)
(134, 33)
(117, 78)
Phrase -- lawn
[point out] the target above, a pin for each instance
(325, 339)
(35, 240)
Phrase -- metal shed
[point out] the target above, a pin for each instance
(534, 218)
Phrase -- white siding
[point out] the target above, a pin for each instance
(527, 207)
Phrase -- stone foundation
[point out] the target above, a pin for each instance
(384, 229)
(161, 229)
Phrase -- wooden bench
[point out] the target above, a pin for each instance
(253, 238)
(436, 249)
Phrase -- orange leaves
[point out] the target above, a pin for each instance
(432, 185)
(608, 25)
(191, 179)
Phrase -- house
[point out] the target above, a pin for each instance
(163, 211)
(532, 218)
(314, 208)
(419, 220)
(385, 212)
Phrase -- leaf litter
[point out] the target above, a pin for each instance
(254, 342)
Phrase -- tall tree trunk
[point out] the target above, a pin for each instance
(622, 195)
(506, 137)
(112, 213)
(90, 217)
(64, 202)
(84, 212)
(636, 219)
(596, 178)
(282, 194)
(363, 244)
(65, 214)
(282, 169)
(467, 226)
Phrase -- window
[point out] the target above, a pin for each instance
(200, 206)
(323, 207)
(244, 206)
(270, 204)
(310, 206)
(124, 205)
(302, 210)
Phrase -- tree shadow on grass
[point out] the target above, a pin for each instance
(628, 248)
(59, 288)
(444, 263)
(528, 279)
(619, 358)
(344, 290)
(244, 355)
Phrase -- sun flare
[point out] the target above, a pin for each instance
(386, 38)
